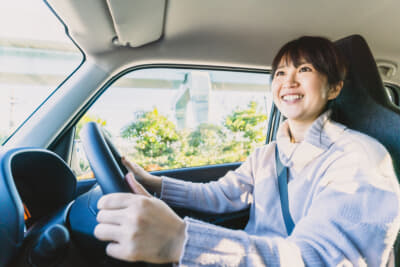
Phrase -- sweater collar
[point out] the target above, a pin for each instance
(319, 137)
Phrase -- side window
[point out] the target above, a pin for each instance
(174, 118)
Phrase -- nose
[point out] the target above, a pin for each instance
(291, 80)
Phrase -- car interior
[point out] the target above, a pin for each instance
(47, 216)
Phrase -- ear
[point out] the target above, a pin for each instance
(335, 90)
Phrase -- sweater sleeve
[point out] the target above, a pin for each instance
(231, 192)
(353, 221)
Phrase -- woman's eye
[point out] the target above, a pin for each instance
(305, 69)
(279, 73)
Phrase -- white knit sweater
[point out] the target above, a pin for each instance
(343, 198)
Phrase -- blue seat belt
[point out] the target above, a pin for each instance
(282, 173)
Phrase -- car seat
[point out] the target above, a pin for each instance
(364, 105)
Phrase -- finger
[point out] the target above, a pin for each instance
(110, 217)
(118, 251)
(134, 168)
(136, 186)
(115, 201)
(128, 164)
(107, 232)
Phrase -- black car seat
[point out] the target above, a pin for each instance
(364, 104)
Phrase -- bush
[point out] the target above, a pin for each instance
(159, 146)
(153, 133)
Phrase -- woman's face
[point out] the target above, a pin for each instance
(301, 93)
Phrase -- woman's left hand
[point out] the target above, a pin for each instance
(139, 226)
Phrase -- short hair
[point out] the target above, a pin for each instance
(318, 51)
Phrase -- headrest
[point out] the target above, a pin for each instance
(363, 104)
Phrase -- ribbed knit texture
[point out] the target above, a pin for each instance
(343, 198)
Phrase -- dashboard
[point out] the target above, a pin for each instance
(34, 183)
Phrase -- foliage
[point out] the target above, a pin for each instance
(206, 137)
(247, 121)
(160, 146)
(153, 133)
(247, 126)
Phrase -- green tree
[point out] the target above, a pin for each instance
(205, 138)
(247, 126)
(154, 134)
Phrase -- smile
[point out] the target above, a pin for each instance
(292, 97)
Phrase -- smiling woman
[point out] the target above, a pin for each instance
(35, 55)
(313, 213)
(183, 87)
(308, 73)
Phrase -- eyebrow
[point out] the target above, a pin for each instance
(285, 65)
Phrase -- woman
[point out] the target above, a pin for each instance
(343, 193)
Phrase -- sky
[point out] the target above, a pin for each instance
(19, 19)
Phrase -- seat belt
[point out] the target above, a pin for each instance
(283, 176)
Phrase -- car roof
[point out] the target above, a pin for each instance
(223, 32)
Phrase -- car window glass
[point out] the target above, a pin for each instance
(174, 118)
(35, 57)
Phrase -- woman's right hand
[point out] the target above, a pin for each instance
(139, 227)
(149, 181)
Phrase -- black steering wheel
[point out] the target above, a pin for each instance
(104, 159)
(109, 171)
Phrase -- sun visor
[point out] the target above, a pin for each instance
(137, 22)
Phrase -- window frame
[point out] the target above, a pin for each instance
(73, 122)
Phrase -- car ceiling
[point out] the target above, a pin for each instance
(224, 32)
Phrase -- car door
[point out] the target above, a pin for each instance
(187, 123)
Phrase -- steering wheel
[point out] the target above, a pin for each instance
(104, 159)
(109, 171)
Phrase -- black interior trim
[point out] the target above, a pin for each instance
(199, 174)
(64, 146)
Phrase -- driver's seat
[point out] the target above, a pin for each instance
(364, 104)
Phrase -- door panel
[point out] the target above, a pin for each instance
(234, 220)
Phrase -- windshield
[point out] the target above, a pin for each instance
(35, 57)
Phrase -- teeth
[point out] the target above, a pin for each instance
(292, 97)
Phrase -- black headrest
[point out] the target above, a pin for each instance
(363, 104)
